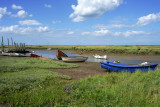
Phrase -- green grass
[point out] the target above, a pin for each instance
(16, 64)
(117, 49)
(37, 86)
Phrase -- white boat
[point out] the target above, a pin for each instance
(13, 54)
(100, 56)
(74, 59)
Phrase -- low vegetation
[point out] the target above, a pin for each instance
(27, 84)
(117, 49)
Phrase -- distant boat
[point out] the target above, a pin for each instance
(60, 54)
(100, 56)
(74, 59)
(34, 55)
(14, 54)
(129, 68)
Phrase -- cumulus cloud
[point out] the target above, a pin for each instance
(87, 9)
(16, 7)
(22, 14)
(48, 5)
(15, 29)
(103, 32)
(70, 33)
(3, 11)
(145, 20)
(29, 22)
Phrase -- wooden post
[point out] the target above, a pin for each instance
(2, 45)
(12, 43)
(8, 45)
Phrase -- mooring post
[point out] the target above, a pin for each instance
(2, 45)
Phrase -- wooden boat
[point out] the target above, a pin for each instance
(60, 54)
(100, 56)
(74, 59)
(129, 68)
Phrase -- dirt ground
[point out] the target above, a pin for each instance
(85, 69)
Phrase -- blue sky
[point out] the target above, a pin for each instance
(81, 22)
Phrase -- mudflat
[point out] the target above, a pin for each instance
(85, 69)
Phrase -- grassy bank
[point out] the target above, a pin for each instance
(29, 84)
(118, 49)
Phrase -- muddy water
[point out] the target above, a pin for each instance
(126, 59)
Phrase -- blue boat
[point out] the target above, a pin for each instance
(129, 68)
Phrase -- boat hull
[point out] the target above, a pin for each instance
(129, 68)
(74, 59)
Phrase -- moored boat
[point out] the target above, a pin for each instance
(100, 56)
(14, 54)
(60, 54)
(74, 59)
(129, 68)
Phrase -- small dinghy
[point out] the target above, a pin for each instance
(129, 68)
(74, 59)
(100, 56)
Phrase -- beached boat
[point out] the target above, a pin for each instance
(74, 59)
(34, 55)
(14, 54)
(60, 54)
(130, 68)
(100, 56)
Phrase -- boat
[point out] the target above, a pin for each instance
(74, 59)
(129, 68)
(100, 56)
(14, 54)
(60, 54)
(34, 55)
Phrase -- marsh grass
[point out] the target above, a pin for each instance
(16, 64)
(118, 89)
(37, 86)
(118, 49)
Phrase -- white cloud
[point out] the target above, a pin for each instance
(9, 29)
(16, 7)
(42, 29)
(103, 32)
(29, 22)
(102, 26)
(15, 29)
(87, 9)
(3, 11)
(131, 33)
(48, 5)
(1, 16)
(70, 33)
(22, 14)
(145, 20)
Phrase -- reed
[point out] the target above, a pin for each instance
(117, 49)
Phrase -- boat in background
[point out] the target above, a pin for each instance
(74, 59)
(60, 54)
(14, 54)
(129, 68)
(34, 55)
(100, 56)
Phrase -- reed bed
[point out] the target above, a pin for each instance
(117, 49)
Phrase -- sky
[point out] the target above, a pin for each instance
(80, 22)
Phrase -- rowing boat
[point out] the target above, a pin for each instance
(130, 68)
(74, 59)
